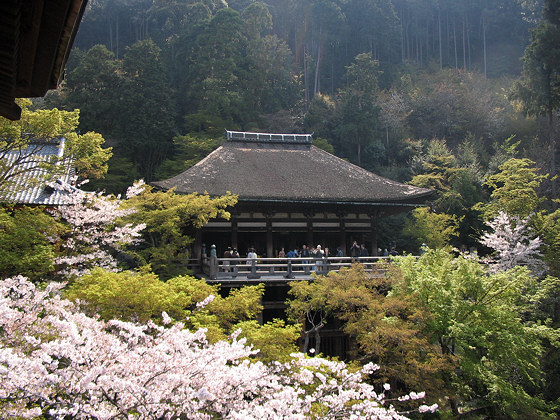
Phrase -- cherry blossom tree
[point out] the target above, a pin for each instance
(513, 243)
(94, 233)
(56, 361)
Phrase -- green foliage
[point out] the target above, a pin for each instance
(387, 329)
(201, 67)
(146, 93)
(129, 296)
(85, 151)
(435, 167)
(92, 85)
(258, 19)
(514, 189)
(24, 242)
(241, 304)
(141, 296)
(454, 106)
(538, 88)
(323, 144)
(309, 297)
(457, 184)
(548, 227)
(129, 100)
(475, 317)
(215, 62)
(275, 340)
(120, 175)
(189, 150)
(88, 156)
(436, 230)
(320, 115)
(357, 113)
(171, 221)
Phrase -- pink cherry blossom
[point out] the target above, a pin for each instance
(513, 243)
(95, 234)
(56, 361)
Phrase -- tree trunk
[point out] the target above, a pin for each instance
(402, 34)
(552, 142)
(469, 65)
(387, 148)
(315, 330)
(484, 44)
(317, 87)
(117, 35)
(455, 45)
(439, 36)
(318, 340)
(111, 37)
(359, 152)
(305, 78)
(305, 342)
(464, 45)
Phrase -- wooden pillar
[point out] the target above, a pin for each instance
(342, 233)
(309, 236)
(269, 244)
(197, 245)
(234, 232)
(373, 234)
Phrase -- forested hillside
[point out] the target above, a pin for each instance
(162, 79)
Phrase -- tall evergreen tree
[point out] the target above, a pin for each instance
(539, 86)
(93, 83)
(215, 66)
(358, 111)
(146, 108)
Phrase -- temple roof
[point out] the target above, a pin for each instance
(33, 183)
(267, 167)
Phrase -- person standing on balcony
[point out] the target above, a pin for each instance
(226, 263)
(363, 251)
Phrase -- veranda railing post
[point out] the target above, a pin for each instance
(289, 274)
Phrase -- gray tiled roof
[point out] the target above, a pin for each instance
(270, 171)
(24, 189)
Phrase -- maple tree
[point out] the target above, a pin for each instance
(25, 247)
(26, 138)
(476, 318)
(171, 221)
(140, 296)
(383, 328)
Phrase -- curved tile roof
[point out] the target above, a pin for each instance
(35, 185)
(278, 171)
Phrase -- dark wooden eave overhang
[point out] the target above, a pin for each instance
(35, 40)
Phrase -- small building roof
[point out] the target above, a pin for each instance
(34, 185)
(287, 168)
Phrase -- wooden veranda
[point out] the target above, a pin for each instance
(267, 270)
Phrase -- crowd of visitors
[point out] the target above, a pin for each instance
(318, 252)
(310, 258)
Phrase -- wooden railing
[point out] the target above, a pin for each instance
(281, 268)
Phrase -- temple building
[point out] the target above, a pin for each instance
(291, 193)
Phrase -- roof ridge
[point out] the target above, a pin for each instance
(250, 136)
